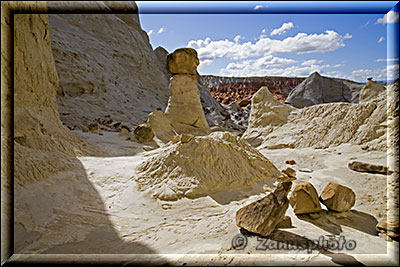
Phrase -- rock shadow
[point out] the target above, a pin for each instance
(332, 221)
(227, 196)
(67, 215)
(298, 242)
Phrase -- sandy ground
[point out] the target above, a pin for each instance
(206, 225)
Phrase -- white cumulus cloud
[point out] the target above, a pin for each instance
(300, 43)
(267, 61)
(386, 59)
(161, 30)
(237, 38)
(257, 7)
(269, 66)
(311, 62)
(390, 17)
(281, 30)
(389, 72)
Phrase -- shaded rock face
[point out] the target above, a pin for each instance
(371, 90)
(304, 199)
(286, 222)
(227, 90)
(203, 165)
(262, 216)
(43, 145)
(161, 126)
(105, 64)
(144, 133)
(337, 197)
(317, 89)
(184, 109)
(161, 55)
(51, 191)
(183, 61)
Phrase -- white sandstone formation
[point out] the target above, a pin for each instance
(320, 126)
(107, 69)
(203, 165)
(371, 90)
(266, 114)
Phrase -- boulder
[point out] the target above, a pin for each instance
(244, 102)
(317, 89)
(184, 138)
(289, 172)
(161, 125)
(337, 197)
(143, 133)
(124, 131)
(291, 162)
(370, 90)
(304, 199)
(368, 167)
(262, 216)
(94, 128)
(183, 61)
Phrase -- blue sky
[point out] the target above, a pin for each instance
(353, 46)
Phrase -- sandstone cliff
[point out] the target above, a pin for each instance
(111, 74)
(37, 126)
(107, 70)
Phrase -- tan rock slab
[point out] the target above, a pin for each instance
(263, 215)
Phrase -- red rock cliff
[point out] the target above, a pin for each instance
(240, 90)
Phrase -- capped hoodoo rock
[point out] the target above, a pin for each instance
(184, 108)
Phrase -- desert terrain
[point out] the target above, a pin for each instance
(126, 152)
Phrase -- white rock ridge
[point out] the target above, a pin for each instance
(367, 123)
